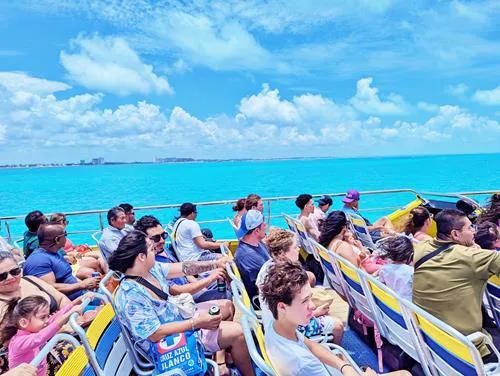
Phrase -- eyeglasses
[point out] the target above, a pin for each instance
(13, 272)
(60, 236)
(156, 238)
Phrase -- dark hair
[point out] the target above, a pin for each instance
(490, 215)
(278, 242)
(302, 200)
(397, 248)
(17, 309)
(417, 219)
(34, 219)
(240, 205)
(331, 226)
(187, 208)
(282, 283)
(486, 234)
(113, 213)
(494, 201)
(448, 220)
(252, 200)
(146, 222)
(126, 207)
(131, 246)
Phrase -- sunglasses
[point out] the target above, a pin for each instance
(60, 236)
(158, 237)
(13, 272)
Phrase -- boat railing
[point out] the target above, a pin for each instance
(274, 208)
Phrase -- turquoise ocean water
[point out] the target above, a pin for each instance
(79, 188)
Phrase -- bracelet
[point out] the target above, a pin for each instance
(345, 365)
(192, 323)
(220, 364)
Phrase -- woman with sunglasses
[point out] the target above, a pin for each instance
(12, 285)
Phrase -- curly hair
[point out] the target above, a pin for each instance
(417, 219)
(486, 235)
(146, 222)
(331, 226)
(283, 282)
(490, 215)
(278, 242)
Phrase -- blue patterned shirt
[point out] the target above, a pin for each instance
(140, 312)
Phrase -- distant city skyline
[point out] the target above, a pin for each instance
(247, 79)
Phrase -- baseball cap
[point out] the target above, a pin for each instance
(250, 220)
(350, 196)
(325, 200)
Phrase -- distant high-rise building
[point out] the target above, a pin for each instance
(98, 161)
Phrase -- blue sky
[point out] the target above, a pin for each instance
(135, 80)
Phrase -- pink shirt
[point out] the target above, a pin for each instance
(24, 346)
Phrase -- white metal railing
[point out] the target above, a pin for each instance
(268, 201)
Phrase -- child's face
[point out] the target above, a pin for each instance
(301, 310)
(36, 322)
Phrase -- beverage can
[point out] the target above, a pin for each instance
(214, 310)
(221, 285)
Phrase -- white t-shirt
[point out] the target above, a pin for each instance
(399, 277)
(293, 358)
(186, 230)
(267, 315)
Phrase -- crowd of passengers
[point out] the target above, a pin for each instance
(165, 292)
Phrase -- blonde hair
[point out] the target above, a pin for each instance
(278, 242)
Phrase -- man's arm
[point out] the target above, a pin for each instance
(197, 285)
(203, 244)
(65, 288)
(328, 358)
(181, 269)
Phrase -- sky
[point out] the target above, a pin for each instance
(134, 80)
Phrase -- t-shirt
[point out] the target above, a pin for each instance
(451, 284)
(110, 239)
(267, 315)
(30, 243)
(293, 358)
(398, 277)
(351, 211)
(249, 260)
(42, 262)
(317, 216)
(186, 230)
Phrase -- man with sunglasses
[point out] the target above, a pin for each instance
(48, 264)
(202, 289)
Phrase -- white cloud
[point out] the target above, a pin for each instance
(458, 90)
(488, 97)
(368, 101)
(428, 107)
(268, 106)
(265, 120)
(314, 110)
(18, 81)
(109, 64)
